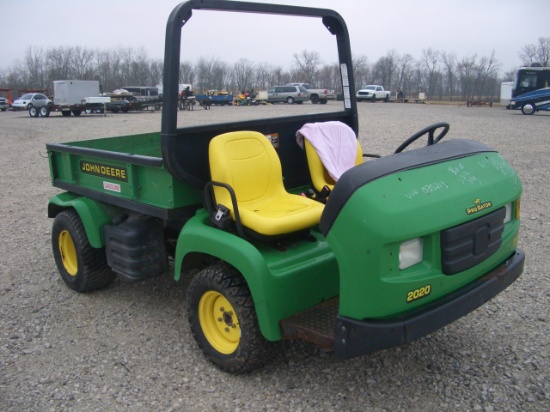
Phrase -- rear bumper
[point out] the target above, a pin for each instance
(354, 338)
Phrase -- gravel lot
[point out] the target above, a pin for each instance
(129, 347)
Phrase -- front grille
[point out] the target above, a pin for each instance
(466, 245)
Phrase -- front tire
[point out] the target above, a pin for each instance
(82, 267)
(223, 320)
(528, 108)
(33, 111)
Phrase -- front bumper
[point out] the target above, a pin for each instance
(355, 338)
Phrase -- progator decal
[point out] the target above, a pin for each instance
(478, 206)
(98, 169)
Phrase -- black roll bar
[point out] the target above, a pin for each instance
(184, 11)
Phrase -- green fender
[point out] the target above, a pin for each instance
(198, 236)
(94, 215)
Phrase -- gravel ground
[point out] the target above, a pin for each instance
(129, 348)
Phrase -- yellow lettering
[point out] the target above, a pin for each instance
(418, 293)
(104, 170)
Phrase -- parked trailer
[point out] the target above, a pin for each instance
(216, 97)
(70, 96)
(128, 102)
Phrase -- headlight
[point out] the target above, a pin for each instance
(512, 209)
(508, 216)
(410, 253)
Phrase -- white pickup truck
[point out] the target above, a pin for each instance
(373, 92)
(317, 95)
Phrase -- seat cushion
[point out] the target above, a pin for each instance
(285, 214)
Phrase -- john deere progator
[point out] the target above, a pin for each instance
(393, 249)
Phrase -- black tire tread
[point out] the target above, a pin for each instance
(93, 271)
(254, 350)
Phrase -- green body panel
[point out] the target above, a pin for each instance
(122, 177)
(282, 282)
(407, 205)
(146, 144)
(94, 215)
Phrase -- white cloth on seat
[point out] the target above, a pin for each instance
(335, 143)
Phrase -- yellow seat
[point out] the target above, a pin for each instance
(248, 163)
(319, 174)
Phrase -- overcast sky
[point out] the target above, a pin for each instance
(463, 27)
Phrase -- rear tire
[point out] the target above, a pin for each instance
(82, 267)
(315, 99)
(44, 111)
(223, 320)
(33, 111)
(66, 113)
(76, 112)
(290, 100)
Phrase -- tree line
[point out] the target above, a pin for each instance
(438, 74)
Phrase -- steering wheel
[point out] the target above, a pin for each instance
(430, 130)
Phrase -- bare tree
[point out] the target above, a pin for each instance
(34, 62)
(58, 63)
(221, 75)
(329, 76)
(384, 69)
(466, 76)
(509, 75)
(81, 62)
(155, 72)
(439, 74)
(484, 70)
(203, 69)
(536, 53)
(187, 73)
(139, 69)
(430, 58)
(404, 72)
(362, 71)
(280, 76)
(263, 76)
(307, 63)
(449, 61)
(243, 74)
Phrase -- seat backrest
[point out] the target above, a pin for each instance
(246, 161)
(319, 174)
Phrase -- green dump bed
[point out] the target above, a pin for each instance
(127, 171)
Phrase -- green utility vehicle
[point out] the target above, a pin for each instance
(399, 247)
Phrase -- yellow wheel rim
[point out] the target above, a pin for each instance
(219, 322)
(68, 253)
